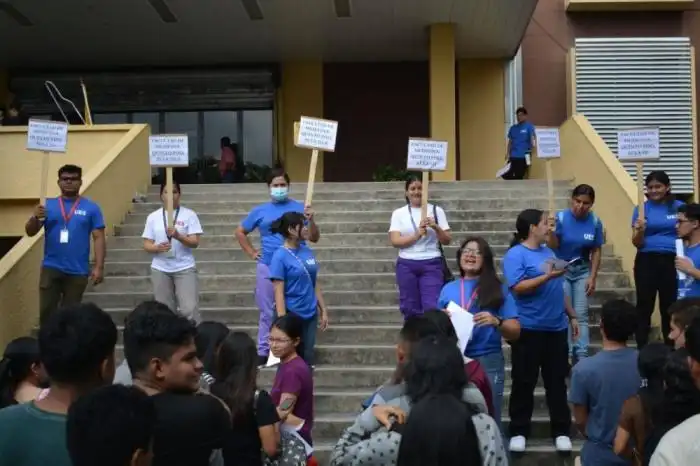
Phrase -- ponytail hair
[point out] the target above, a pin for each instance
(285, 222)
(15, 366)
(526, 219)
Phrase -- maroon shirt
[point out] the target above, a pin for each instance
(477, 376)
(295, 377)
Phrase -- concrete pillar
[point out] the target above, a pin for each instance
(443, 113)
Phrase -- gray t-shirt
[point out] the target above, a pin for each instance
(601, 384)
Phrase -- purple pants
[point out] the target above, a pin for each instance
(265, 300)
(419, 282)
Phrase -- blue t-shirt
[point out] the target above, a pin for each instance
(520, 136)
(298, 270)
(261, 217)
(72, 255)
(690, 287)
(578, 236)
(660, 232)
(602, 383)
(544, 308)
(485, 340)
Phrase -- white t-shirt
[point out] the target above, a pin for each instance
(680, 446)
(426, 247)
(179, 257)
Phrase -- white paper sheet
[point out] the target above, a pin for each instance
(294, 430)
(272, 361)
(680, 252)
(503, 170)
(463, 323)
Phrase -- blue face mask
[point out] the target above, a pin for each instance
(279, 194)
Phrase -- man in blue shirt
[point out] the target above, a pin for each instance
(600, 385)
(688, 228)
(69, 221)
(521, 141)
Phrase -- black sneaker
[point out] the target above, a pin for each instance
(262, 361)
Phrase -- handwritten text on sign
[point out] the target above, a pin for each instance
(547, 142)
(47, 136)
(638, 144)
(427, 155)
(315, 133)
(170, 150)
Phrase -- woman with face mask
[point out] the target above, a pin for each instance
(578, 236)
(173, 269)
(654, 236)
(261, 218)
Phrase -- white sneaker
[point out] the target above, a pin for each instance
(563, 444)
(517, 444)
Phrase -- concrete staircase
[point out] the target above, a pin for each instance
(357, 274)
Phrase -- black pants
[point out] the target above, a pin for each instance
(548, 351)
(518, 168)
(654, 273)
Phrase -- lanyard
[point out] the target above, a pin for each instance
(66, 218)
(165, 221)
(308, 274)
(471, 300)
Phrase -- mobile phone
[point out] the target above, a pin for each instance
(574, 262)
(286, 404)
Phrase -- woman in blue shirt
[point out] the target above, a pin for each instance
(261, 218)
(654, 236)
(481, 292)
(578, 234)
(293, 272)
(538, 288)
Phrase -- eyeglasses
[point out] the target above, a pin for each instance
(471, 252)
(281, 341)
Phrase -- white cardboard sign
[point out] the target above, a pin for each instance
(427, 155)
(317, 133)
(47, 136)
(547, 143)
(169, 150)
(638, 144)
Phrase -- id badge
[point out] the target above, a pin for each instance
(169, 254)
(63, 237)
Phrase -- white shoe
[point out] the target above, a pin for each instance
(563, 444)
(517, 444)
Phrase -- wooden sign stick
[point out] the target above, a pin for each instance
(296, 132)
(550, 187)
(44, 177)
(424, 200)
(169, 202)
(312, 178)
(640, 189)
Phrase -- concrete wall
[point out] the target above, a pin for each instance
(113, 173)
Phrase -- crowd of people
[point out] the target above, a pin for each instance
(186, 391)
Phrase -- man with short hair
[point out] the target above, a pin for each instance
(521, 142)
(681, 445)
(69, 221)
(76, 347)
(112, 426)
(688, 229)
(160, 350)
(600, 385)
(682, 313)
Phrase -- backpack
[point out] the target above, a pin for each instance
(291, 451)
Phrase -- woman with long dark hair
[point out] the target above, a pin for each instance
(578, 235)
(480, 292)
(261, 218)
(255, 420)
(21, 372)
(293, 271)
(654, 236)
(419, 267)
(538, 288)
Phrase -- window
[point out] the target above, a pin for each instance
(216, 126)
(151, 119)
(110, 118)
(257, 136)
(184, 123)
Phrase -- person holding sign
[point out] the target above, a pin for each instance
(419, 268)
(173, 269)
(261, 218)
(577, 239)
(688, 229)
(654, 236)
(532, 274)
(521, 142)
(69, 222)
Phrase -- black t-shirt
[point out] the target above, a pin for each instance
(242, 446)
(189, 429)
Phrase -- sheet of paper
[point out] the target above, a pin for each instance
(463, 323)
(503, 170)
(680, 252)
(272, 360)
(294, 431)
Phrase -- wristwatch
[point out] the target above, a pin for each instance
(500, 322)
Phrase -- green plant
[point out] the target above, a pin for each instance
(389, 173)
(256, 173)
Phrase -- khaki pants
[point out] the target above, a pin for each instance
(178, 290)
(58, 289)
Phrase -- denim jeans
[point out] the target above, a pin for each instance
(575, 288)
(494, 365)
(307, 347)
